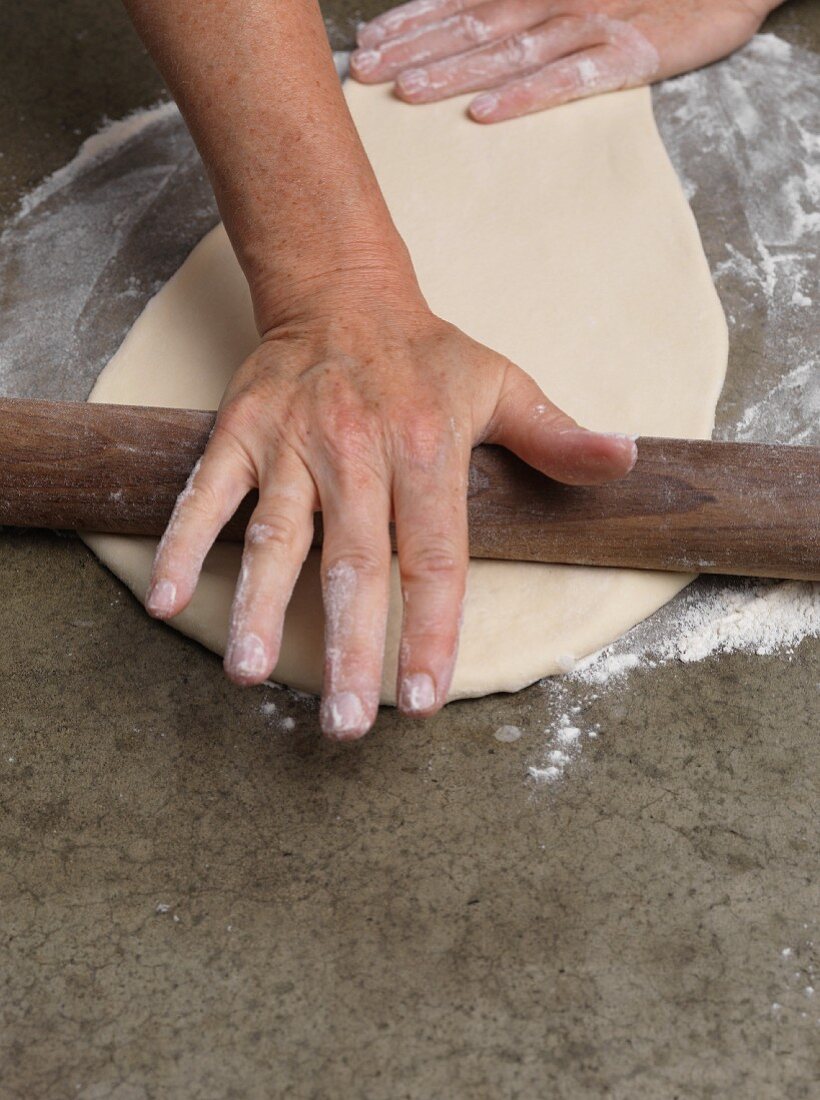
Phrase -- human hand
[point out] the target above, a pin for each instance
(527, 55)
(363, 405)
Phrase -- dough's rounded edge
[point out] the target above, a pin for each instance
(513, 633)
(130, 559)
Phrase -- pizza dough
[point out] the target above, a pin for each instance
(562, 240)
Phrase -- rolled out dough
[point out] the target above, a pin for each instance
(562, 240)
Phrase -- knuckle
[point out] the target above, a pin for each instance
(271, 532)
(439, 636)
(433, 559)
(521, 51)
(348, 431)
(347, 568)
(425, 441)
(472, 29)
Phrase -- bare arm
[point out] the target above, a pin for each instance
(258, 89)
(359, 401)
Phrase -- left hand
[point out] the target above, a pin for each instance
(527, 55)
(361, 402)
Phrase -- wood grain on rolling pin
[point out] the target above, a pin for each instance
(688, 506)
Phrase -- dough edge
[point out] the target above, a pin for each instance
(498, 653)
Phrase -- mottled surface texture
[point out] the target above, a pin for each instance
(196, 902)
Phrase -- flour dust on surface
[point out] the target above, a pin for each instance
(90, 246)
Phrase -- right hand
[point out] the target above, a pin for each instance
(528, 55)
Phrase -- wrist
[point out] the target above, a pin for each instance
(341, 279)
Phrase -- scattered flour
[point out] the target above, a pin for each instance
(283, 722)
(108, 139)
(568, 735)
(565, 741)
(617, 664)
(722, 123)
(797, 978)
(544, 775)
(712, 617)
(750, 160)
(789, 411)
(89, 246)
(136, 200)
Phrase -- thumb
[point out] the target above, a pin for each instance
(527, 423)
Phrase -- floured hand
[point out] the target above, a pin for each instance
(527, 55)
(366, 407)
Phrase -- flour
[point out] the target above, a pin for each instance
(789, 412)
(109, 139)
(565, 740)
(285, 722)
(722, 122)
(135, 199)
(723, 126)
(710, 618)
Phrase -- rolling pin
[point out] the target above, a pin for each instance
(689, 506)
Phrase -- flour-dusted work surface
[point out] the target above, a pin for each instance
(606, 300)
(201, 898)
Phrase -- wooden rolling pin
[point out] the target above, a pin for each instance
(688, 506)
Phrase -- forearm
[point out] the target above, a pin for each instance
(259, 92)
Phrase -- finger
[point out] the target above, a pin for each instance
(590, 72)
(473, 27)
(407, 17)
(529, 424)
(277, 541)
(496, 63)
(430, 505)
(217, 485)
(355, 588)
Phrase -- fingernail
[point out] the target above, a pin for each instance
(630, 439)
(620, 435)
(413, 81)
(585, 435)
(342, 715)
(483, 105)
(418, 693)
(247, 656)
(161, 597)
(365, 61)
(588, 433)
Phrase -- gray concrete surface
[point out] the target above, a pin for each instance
(196, 903)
